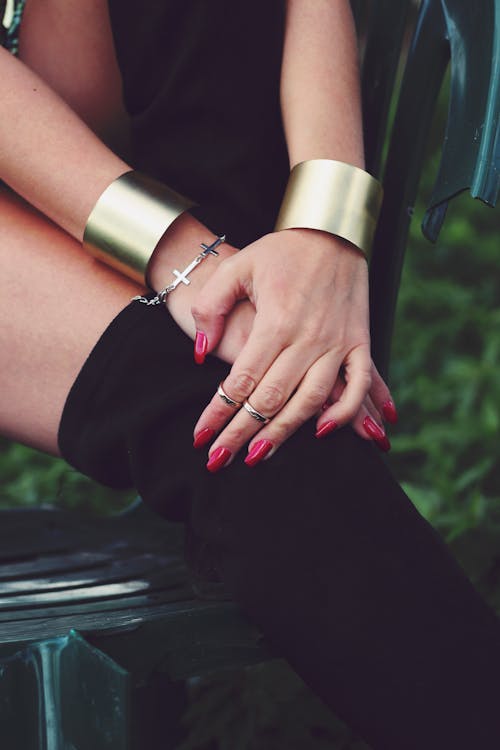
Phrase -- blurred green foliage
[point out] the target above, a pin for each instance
(28, 477)
(445, 363)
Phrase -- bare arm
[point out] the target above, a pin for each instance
(70, 45)
(320, 96)
(52, 158)
(47, 154)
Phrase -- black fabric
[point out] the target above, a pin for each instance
(201, 83)
(319, 545)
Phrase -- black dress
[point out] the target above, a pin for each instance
(319, 545)
(201, 83)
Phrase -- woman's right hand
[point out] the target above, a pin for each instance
(176, 250)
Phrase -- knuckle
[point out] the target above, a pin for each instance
(283, 428)
(272, 398)
(323, 336)
(220, 413)
(283, 327)
(199, 311)
(241, 385)
(235, 436)
(315, 395)
(336, 348)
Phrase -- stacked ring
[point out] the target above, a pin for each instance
(255, 414)
(227, 399)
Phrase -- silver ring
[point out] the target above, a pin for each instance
(255, 414)
(227, 400)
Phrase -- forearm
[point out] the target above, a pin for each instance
(56, 37)
(47, 154)
(320, 95)
(50, 157)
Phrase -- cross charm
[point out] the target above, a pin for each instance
(182, 276)
(211, 248)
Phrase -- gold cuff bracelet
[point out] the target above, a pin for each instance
(335, 197)
(128, 221)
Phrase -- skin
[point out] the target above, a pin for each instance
(313, 337)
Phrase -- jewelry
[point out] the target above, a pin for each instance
(227, 399)
(255, 414)
(335, 197)
(182, 276)
(128, 221)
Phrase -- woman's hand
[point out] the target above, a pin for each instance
(176, 250)
(369, 421)
(310, 293)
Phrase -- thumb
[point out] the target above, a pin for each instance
(214, 302)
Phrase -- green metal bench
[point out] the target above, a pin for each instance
(98, 616)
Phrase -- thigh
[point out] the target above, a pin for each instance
(55, 302)
(327, 555)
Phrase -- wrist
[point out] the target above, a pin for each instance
(332, 196)
(321, 239)
(177, 248)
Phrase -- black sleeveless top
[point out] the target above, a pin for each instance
(201, 83)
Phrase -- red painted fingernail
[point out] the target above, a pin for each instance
(203, 437)
(258, 452)
(200, 347)
(389, 411)
(219, 457)
(325, 429)
(376, 432)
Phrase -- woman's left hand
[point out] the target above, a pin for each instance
(310, 293)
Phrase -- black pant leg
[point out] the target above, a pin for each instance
(326, 554)
(318, 545)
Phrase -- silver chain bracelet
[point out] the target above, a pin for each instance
(182, 277)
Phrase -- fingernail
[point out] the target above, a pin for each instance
(258, 452)
(389, 411)
(325, 429)
(376, 432)
(200, 347)
(219, 457)
(203, 437)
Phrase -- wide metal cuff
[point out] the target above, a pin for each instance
(128, 221)
(335, 197)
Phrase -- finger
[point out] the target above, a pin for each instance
(248, 370)
(375, 430)
(217, 298)
(311, 393)
(348, 400)
(367, 410)
(379, 405)
(367, 423)
(220, 410)
(269, 399)
(381, 397)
